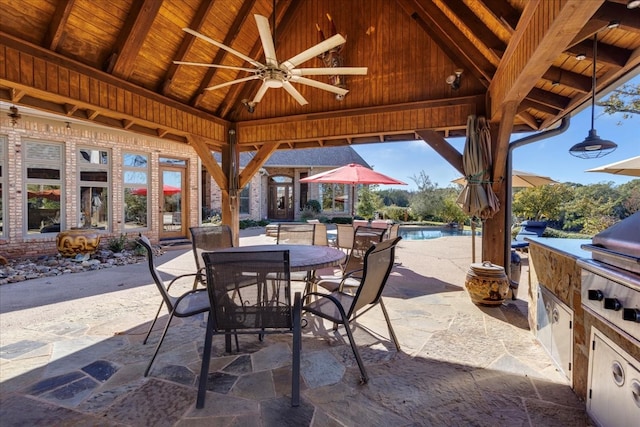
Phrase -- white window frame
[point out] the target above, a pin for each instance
(95, 167)
(46, 161)
(143, 187)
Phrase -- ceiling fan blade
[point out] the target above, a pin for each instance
(267, 40)
(232, 82)
(313, 51)
(294, 92)
(320, 85)
(223, 46)
(204, 64)
(329, 71)
(263, 89)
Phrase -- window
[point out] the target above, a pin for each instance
(93, 166)
(43, 186)
(334, 197)
(244, 199)
(136, 186)
(3, 150)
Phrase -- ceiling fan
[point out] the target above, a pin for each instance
(276, 74)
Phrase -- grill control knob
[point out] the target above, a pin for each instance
(631, 314)
(596, 295)
(612, 304)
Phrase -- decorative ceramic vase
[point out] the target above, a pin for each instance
(487, 283)
(77, 241)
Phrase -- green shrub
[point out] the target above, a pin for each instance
(314, 206)
(117, 244)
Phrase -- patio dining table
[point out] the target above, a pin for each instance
(301, 257)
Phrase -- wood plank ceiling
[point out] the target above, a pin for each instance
(112, 62)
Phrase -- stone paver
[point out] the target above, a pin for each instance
(73, 355)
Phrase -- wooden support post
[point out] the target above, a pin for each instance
(230, 201)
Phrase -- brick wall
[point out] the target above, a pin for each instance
(14, 243)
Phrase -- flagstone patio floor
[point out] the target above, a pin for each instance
(71, 354)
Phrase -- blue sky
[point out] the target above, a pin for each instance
(550, 157)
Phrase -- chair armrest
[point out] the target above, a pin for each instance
(182, 276)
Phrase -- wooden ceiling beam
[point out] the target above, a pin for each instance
(543, 108)
(132, 35)
(201, 148)
(187, 41)
(256, 162)
(544, 30)
(503, 11)
(56, 26)
(553, 100)
(567, 78)
(449, 38)
(234, 30)
(442, 147)
(478, 28)
(611, 55)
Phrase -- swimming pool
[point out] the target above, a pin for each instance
(424, 233)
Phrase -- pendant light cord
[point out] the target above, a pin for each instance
(593, 78)
(274, 24)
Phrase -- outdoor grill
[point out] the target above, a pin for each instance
(611, 293)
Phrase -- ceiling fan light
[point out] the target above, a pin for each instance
(593, 147)
(632, 4)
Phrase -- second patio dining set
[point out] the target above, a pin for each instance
(248, 289)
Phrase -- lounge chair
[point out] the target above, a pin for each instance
(528, 228)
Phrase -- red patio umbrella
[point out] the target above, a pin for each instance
(352, 174)
(168, 190)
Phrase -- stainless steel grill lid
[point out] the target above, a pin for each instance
(618, 245)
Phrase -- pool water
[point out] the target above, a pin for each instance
(418, 233)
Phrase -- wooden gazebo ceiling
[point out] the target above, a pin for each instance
(111, 63)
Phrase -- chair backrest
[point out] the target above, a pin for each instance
(531, 228)
(209, 238)
(320, 237)
(266, 303)
(378, 262)
(360, 223)
(296, 234)
(380, 223)
(168, 299)
(393, 231)
(363, 239)
(344, 236)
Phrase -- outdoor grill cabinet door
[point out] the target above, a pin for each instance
(613, 399)
(554, 329)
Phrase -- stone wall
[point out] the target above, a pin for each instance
(560, 274)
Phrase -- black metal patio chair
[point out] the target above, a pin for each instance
(187, 304)
(341, 307)
(266, 307)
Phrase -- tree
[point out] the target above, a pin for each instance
(625, 100)
(538, 202)
(368, 202)
(426, 201)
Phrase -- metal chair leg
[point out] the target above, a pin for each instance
(363, 373)
(391, 331)
(153, 324)
(204, 369)
(155, 353)
(297, 345)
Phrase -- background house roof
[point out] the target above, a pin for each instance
(309, 157)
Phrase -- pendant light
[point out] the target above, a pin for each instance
(593, 146)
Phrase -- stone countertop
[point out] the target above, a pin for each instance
(568, 247)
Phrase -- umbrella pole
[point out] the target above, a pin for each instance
(473, 240)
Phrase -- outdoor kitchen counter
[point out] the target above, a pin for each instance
(552, 265)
